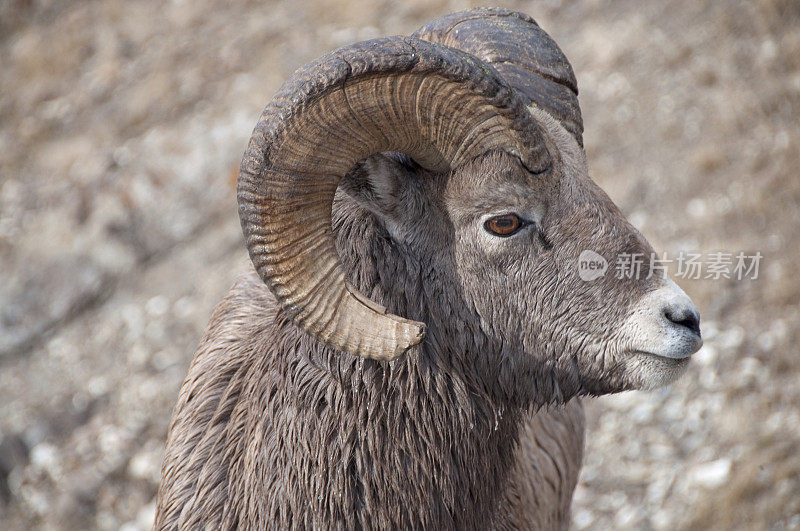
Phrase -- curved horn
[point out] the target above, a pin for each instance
(522, 52)
(440, 106)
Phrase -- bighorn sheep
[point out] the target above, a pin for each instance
(439, 177)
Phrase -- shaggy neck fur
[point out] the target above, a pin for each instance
(423, 441)
(301, 435)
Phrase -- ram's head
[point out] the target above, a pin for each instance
(479, 171)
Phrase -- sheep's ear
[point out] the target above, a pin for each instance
(384, 183)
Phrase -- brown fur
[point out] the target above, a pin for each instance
(231, 463)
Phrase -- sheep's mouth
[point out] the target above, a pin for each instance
(669, 360)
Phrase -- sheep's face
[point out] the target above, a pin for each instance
(514, 242)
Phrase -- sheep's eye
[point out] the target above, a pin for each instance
(504, 225)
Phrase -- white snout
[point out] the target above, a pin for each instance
(665, 323)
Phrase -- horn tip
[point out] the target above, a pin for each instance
(417, 333)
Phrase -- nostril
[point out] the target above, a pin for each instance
(682, 316)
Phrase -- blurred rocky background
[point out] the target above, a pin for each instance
(121, 128)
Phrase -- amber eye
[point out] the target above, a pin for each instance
(504, 225)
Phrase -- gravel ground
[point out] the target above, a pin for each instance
(121, 128)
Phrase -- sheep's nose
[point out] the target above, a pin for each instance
(683, 313)
(665, 323)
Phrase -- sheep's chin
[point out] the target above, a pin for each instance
(647, 371)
